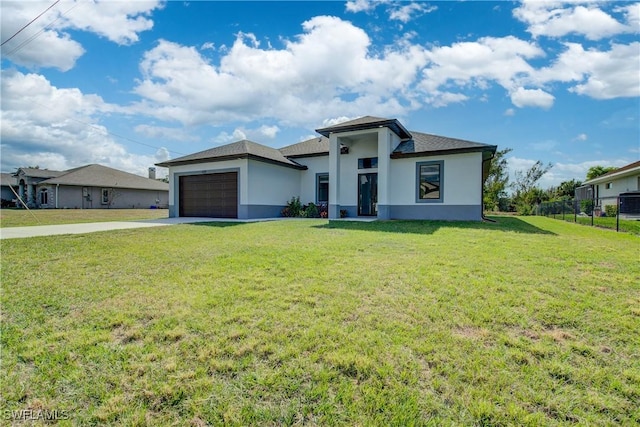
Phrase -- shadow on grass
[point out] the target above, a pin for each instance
(506, 224)
(218, 224)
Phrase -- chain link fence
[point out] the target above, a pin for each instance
(621, 213)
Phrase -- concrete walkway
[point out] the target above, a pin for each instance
(92, 227)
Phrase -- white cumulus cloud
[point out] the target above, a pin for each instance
(56, 128)
(557, 19)
(47, 43)
(522, 97)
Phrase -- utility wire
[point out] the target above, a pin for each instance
(29, 23)
(39, 33)
(101, 130)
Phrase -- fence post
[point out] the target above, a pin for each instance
(593, 209)
(618, 214)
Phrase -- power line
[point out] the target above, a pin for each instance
(29, 23)
(99, 129)
(39, 32)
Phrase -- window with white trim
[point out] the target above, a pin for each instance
(105, 193)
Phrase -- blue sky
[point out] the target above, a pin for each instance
(128, 84)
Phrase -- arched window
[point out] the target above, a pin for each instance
(44, 197)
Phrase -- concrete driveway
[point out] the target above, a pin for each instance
(92, 227)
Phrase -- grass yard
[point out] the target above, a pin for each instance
(530, 321)
(23, 218)
(626, 225)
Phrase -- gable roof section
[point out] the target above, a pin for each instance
(310, 148)
(237, 150)
(102, 176)
(366, 122)
(426, 144)
(627, 170)
(7, 179)
(39, 173)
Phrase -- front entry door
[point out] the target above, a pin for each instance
(368, 194)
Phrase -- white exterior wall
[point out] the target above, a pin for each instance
(608, 196)
(316, 165)
(272, 185)
(461, 180)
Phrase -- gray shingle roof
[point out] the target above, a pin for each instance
(40, 173)
(367, 122)
(7, 179)
(235, 150)
(424, 143)
(102, 176)
(310, 147)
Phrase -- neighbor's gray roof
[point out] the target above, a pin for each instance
(102, 176)
(367, 122)
(235, 150)
(424, 143)
(39, 173)
(8, 179)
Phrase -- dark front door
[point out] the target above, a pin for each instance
(212, 195)
(368, 194)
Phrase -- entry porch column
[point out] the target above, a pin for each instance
(334, 176)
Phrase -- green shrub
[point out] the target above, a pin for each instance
(586, 206)
(525, 209)
(293, 208)
(312, 211)
(611, 210)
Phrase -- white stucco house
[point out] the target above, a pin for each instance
(606, 189)
(367, 167)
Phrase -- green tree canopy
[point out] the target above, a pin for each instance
(497, 181)
(596, 171)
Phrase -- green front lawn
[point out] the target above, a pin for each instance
(528, 321)
(24, 218)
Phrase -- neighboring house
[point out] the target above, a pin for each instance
(367, 167)
(89, 187)
(7, 183)
(606, 188)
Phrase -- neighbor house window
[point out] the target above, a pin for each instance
(429, 181)
(105, 196)
(44, 197)
(368, 163)
(608, 185)
(322, 188)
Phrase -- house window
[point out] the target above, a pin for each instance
(105, 196)
(322, 188)
(429, 182)
(368, 163)
(44, 197)
(608, 185)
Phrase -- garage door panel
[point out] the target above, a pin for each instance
(210, 195)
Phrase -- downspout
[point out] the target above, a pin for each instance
(484, 218)
(57, 190)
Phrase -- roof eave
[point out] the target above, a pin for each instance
(230, 157)
(612, 176)
(301, 156)
(391, 124)
(488, 149)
